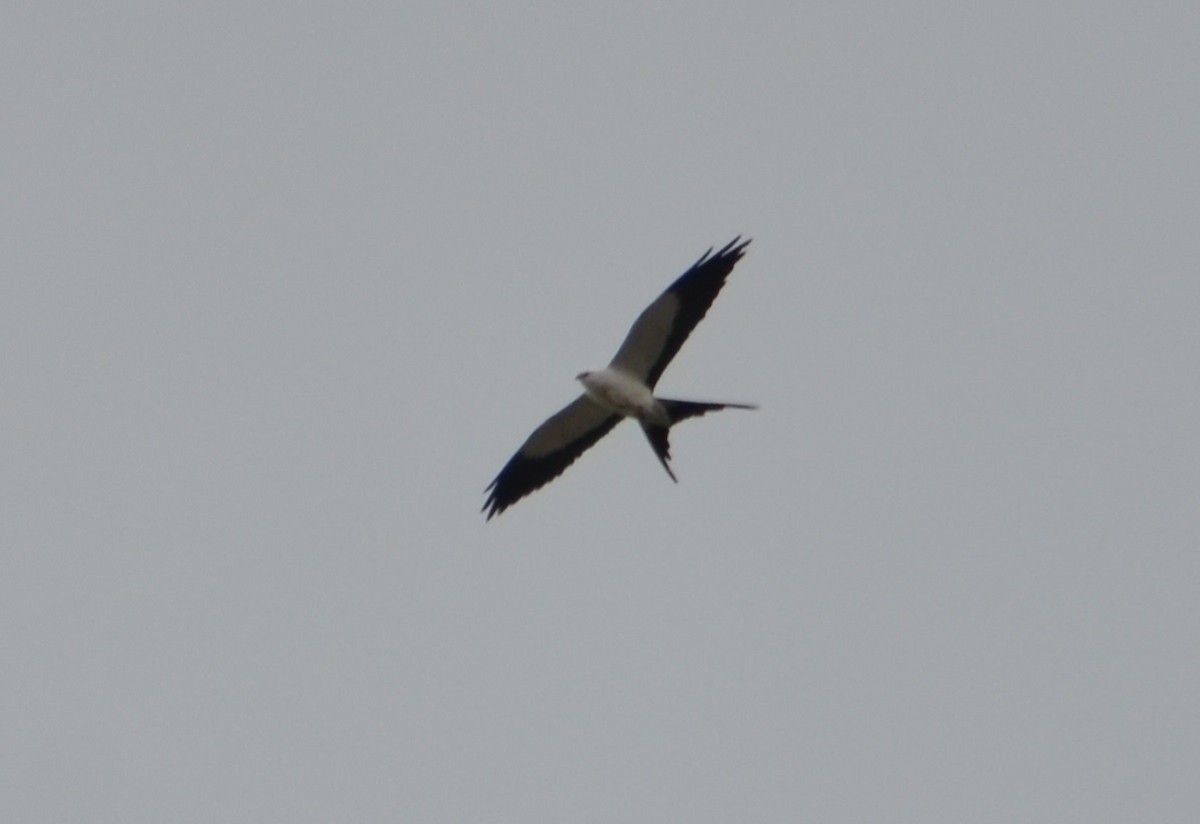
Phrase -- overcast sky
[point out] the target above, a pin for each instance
(285, 284)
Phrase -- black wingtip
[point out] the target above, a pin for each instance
(735, 249)
(491, 503)
(735, 246)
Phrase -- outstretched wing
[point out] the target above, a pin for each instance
(659, 332)
(551, 448)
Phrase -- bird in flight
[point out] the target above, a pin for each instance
(625, 388)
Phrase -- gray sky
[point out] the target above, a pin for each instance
(285, 285)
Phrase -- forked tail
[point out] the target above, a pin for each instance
(659, 436)
(682, 410)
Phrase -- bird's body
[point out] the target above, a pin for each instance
(623, 395)
(625, 389)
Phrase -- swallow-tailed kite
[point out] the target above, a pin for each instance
(625, 389)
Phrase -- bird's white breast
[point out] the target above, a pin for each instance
(620, 393)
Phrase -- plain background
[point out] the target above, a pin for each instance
(285, 284)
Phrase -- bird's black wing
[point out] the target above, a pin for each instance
(659, 332)
(551, 448)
